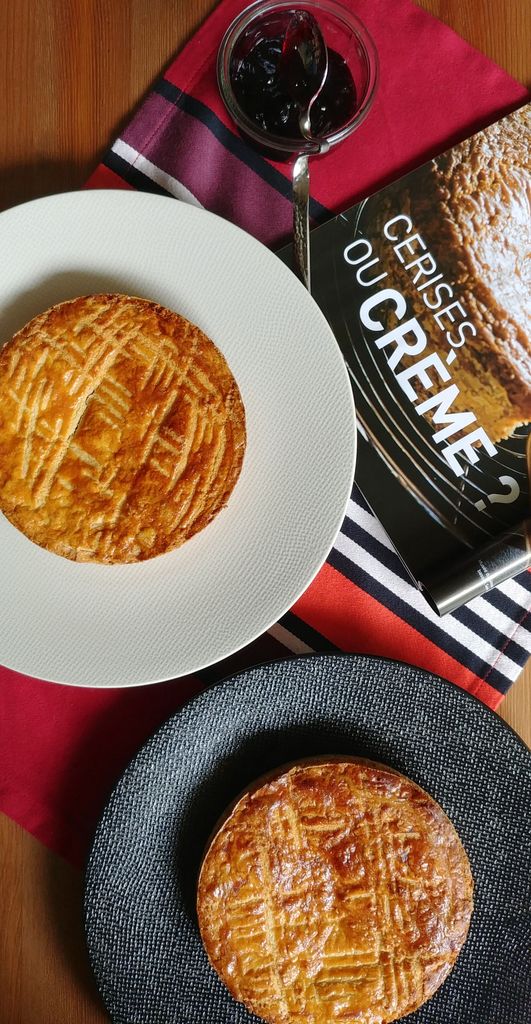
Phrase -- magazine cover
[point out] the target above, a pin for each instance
(427, 286)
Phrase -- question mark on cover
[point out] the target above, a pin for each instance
(502, 499)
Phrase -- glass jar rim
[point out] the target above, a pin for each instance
(276, 142)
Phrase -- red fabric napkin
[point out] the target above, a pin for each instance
(62, 749)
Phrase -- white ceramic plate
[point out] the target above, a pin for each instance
(98, 625)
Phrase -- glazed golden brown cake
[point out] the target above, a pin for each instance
(472, 208)
(122, 429)
(336, 891)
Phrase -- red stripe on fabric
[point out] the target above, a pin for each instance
(187, 150)
(76, 742)
(206, 91)
(103, 177)
(357, 622)
(407, 95)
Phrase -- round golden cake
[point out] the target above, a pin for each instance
(337, 890)
(122, 429)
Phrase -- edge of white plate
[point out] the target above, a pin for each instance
(149, 198)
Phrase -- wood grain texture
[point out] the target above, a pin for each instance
(45, 977)
(71, 71)
(499, 28)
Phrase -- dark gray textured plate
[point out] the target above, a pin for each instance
(140, 888)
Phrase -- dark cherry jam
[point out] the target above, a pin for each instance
(263, 87)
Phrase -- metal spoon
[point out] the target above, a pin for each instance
(304, 65)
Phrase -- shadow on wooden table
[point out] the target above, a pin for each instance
(113, 733)
(63, 887)
(22, 182)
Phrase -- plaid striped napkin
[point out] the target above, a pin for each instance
(61, 748)
(182, 143)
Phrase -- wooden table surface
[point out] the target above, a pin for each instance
(70, 73)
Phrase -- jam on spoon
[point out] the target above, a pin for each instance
(303, 64)
(277, 76)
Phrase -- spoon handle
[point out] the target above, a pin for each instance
(301, 224)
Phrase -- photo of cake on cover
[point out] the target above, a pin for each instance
(473, 204)
(427, 287)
